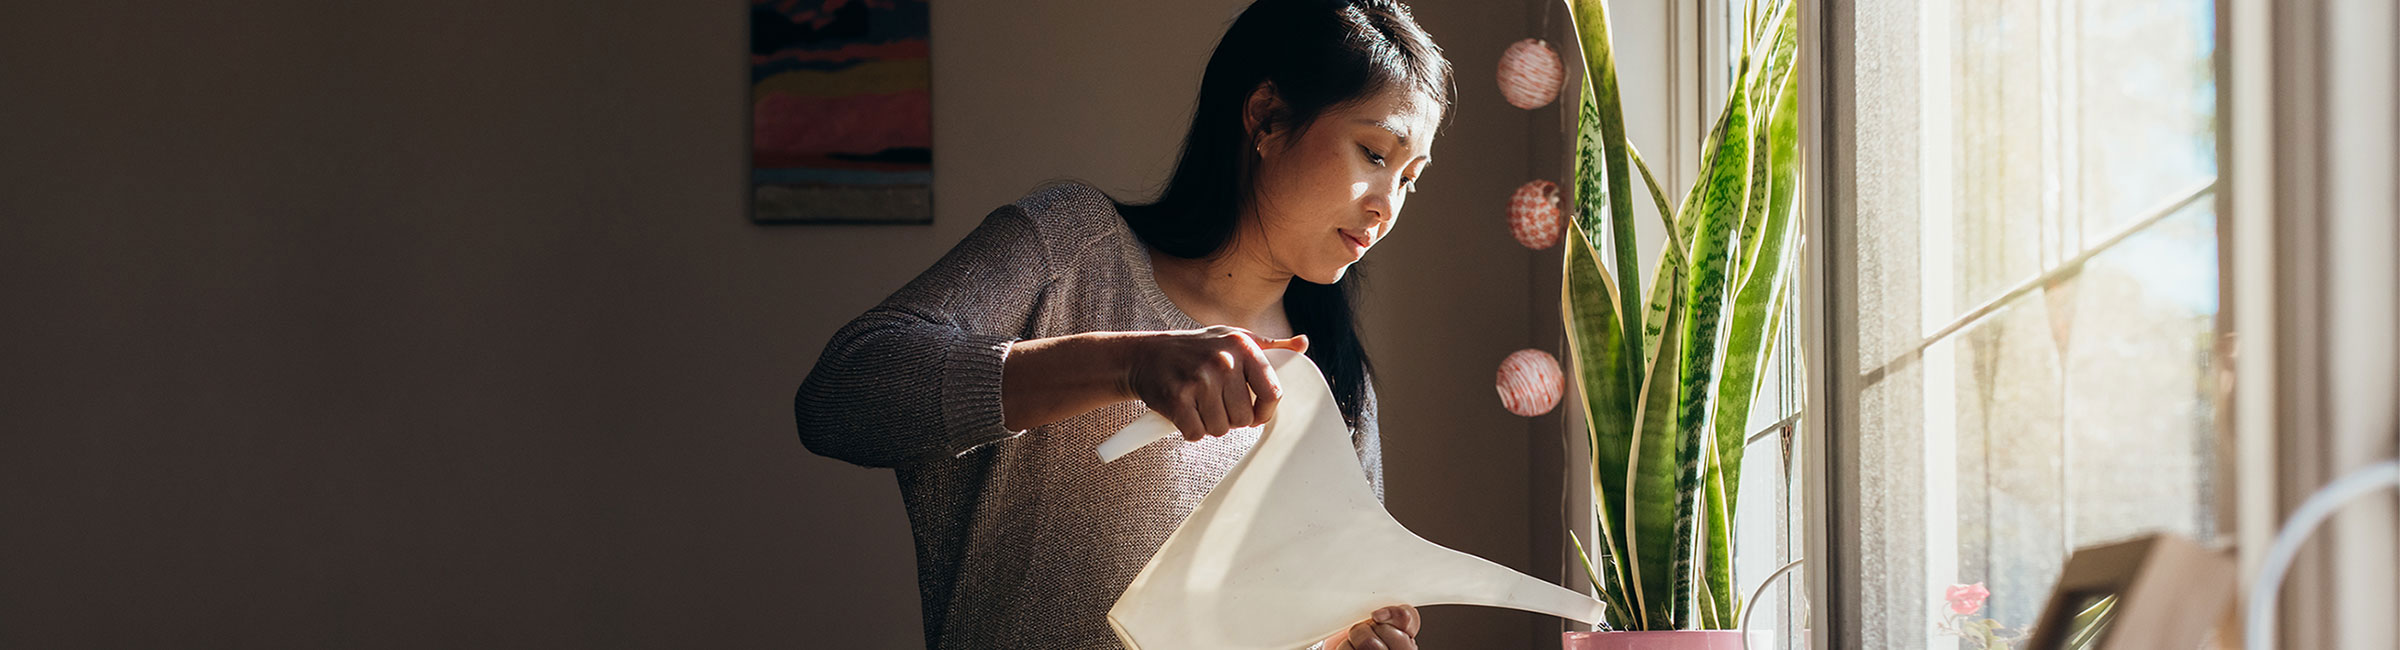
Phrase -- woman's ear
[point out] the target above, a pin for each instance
(1261, 112)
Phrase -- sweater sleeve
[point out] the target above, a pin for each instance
(917, 377)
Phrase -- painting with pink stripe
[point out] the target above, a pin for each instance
(841, 112)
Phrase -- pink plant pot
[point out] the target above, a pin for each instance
(1664, 640)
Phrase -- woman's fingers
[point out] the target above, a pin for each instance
(1363, 637)
(1187, 421)
(1235, 393)
(1211, 401)
(1212, 380)
(1261, 374)
(1405, 618)
(1390, 628)
(1260, 379)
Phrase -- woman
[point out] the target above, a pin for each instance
(987, 381)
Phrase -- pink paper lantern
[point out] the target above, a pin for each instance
(1533, 214)
(1530, 382)
(1530, 74)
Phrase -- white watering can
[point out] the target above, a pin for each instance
(1292, 546)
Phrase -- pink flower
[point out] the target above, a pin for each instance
(1965, 599)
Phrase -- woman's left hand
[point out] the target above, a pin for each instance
(1391, 628)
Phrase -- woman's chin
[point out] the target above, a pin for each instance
(1328, 276)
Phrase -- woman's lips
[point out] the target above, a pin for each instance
(1358, 244)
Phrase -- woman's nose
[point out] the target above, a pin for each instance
(1386, 204)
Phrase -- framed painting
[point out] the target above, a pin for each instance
(841, 112)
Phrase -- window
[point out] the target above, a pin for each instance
(2021, 291)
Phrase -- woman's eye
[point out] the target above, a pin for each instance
(1406, 181)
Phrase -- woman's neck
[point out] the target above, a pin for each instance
(1232, 289)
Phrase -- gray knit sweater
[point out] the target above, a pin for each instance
(1023, 538)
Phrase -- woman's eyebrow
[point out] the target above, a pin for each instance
(1396, 133)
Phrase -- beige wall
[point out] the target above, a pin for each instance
(439, 324)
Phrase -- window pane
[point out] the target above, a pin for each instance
(2077, 415)
(1997, 153)
(1760, 536)
(2010, 477)
(2068, 122)
(2026, 380)
(2141, 383)
(2146, 98)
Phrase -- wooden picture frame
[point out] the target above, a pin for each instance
(2153, 592)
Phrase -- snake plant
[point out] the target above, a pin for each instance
(1667, 375)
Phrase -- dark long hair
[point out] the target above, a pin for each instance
(1318, 55)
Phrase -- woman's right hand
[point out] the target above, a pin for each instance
(1208, 381)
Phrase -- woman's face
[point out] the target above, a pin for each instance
(1336, 190)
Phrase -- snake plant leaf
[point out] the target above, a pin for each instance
(1767, 82)
(1666, 214)
(1722, 194)
(1750, 22)
(1658, 467)
(1755, 306)
(1757, 314)
(1653, 494)
(1754, 208)
(1718, 576)
(1716, 596)
(1634, 448)
(1590, 186)
(1615, 611)
(1776, 60)
(1687, 213)
(1600, 64)
(1593, 341)
(1783, 128)
(1643, 484)
(1670, 264)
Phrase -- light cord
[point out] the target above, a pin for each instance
(1742, 626)
(2259, 623)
